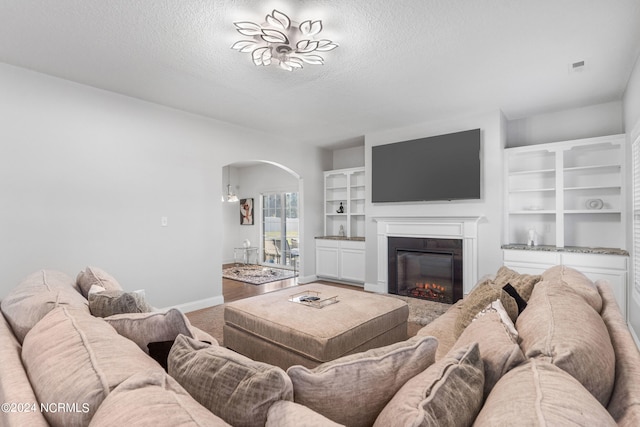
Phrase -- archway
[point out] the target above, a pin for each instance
(254, 182)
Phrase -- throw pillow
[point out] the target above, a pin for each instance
(561, 326)
(73, 357)
(235, 388)
(152, 399)
(522, 304)
(497, 337)
(96, 289)
(481, 296)
(574, 279)
(159, 351)
(143, 328)
(96, 276)
(37, 295)
(353, 390)
(540, 394)
(448, 393)
(523, 283)
(109, 303)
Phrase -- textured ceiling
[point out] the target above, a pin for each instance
(398, 62)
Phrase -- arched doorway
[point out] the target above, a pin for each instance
(274, 194)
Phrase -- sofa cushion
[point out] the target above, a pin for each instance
(561, 326)
(523, 283)
(37, 295)
(448, 393)
(443, 329)
(152, 399)
(581, 284)
(234, 387)
(483, 294)
(15, 388)
(96, 276)
(290, 414)
(109, 303)
(145, 328)
(352, 390)
(73, 357)
(497, 337)
(541, 394)
(624, 405)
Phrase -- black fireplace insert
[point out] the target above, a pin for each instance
(427, 268)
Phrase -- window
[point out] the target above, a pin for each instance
(636, 213)
(280, 227)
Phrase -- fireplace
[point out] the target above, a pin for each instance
(427, 268)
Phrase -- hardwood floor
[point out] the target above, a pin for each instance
(233, 290)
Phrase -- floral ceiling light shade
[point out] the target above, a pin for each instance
(280, 41)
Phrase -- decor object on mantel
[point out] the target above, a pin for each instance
(257, 275)
(281, 39)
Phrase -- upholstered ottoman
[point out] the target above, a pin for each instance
(270, 328)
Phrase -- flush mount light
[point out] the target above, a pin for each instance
(283, 42)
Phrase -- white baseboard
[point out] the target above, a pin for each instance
(307, 279)
(197, 305)
(375, 287)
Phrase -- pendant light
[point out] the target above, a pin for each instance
(231, 197)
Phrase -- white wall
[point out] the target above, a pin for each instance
(576, 123)
(251, 182)
(346, 158)
(86, 175)
(632, 129)
(493, 133)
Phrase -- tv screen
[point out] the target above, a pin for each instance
(444, 167)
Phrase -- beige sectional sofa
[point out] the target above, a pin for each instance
(567, 358)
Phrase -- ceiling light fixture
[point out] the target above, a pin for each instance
(283, 42)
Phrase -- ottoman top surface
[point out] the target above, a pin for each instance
(356, 318)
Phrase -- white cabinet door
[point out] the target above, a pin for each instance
(327, 259)
(340, 259)
(352, 261)
(612, 268)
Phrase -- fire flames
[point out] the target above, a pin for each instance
(432, 286)
(431, 291)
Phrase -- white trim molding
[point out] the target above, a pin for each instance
(457, 227)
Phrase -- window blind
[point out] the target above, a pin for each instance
(636, 213)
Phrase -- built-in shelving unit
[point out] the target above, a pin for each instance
(346, 188)
(340, 256)
(571, 193)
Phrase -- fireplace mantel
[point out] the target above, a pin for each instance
(464, 228)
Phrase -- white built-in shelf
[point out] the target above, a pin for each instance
(346, 186)
(531, 190)
(559, 180)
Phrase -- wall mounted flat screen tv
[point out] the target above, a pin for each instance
(444, 167)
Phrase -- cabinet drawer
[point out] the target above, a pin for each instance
(537, 257)
(615, 262)
(352, 244)
(327, 243)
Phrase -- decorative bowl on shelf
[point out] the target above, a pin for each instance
(594, 204)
